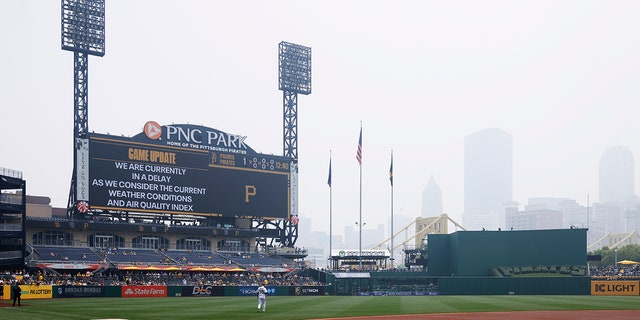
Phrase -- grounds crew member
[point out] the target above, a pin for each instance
(17, 292)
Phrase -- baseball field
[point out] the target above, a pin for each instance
(308, 307)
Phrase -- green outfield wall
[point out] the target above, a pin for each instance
(420, 283)
(515, 286)
(475, 253)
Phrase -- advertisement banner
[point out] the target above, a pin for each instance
(82, 169)
(5, 292)
(399, 293)
(252, 291)
(202, 291)
(294, 190)
(36, 292)
(615, 288)
(306, 291)
(78, 291)
(144, 291)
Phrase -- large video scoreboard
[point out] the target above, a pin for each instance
(187, 169)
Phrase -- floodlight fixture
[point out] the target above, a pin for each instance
(83, 26)
(294, 66)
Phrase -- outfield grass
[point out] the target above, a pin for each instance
(283, 308)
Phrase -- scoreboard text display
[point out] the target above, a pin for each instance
(184, 171)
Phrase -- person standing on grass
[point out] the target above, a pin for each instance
(17, 292)
(262, 299)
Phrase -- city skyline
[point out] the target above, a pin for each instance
(560, 77)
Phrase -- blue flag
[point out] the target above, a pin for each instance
(329, 180)
(391, 171)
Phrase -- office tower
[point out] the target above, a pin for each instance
(616, 176)
(431, 199)
(488, 178)
(533, 217)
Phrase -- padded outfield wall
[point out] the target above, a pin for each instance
(30, 292)
(567, 285)
(475, 253)
(419, 283)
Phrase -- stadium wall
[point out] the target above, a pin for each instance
(475, 253)
(370, 286)
(515, 286)
(422, 284)
(49, 292)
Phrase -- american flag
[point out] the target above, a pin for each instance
(359, 153)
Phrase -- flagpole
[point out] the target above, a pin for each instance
(359, 157)
(330, 215)
(391, 180)
(360, 224)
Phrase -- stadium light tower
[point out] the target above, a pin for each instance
(83, 33)
(294, 76)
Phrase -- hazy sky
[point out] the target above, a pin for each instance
(562, 77)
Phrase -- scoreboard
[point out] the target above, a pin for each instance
(186, 169)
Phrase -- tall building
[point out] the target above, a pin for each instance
(488, 178)
(610, 217)
(617, 176)
(431, 199)
(534, 217)
(574, 215)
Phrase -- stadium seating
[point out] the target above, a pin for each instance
(62, 253)
(190, 257)
(135, 256)
(247, 259)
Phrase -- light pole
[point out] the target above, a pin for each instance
(294, 76)
(82, 32)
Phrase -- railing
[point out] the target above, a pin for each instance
(10, 254)
(10, 198)
(10, 227)
(10, 173)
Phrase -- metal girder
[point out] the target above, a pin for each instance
(290, 145)
(80, 118)
(287, 233)
(80, 94)
(290, 129)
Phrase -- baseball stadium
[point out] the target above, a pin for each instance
(183, 221)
